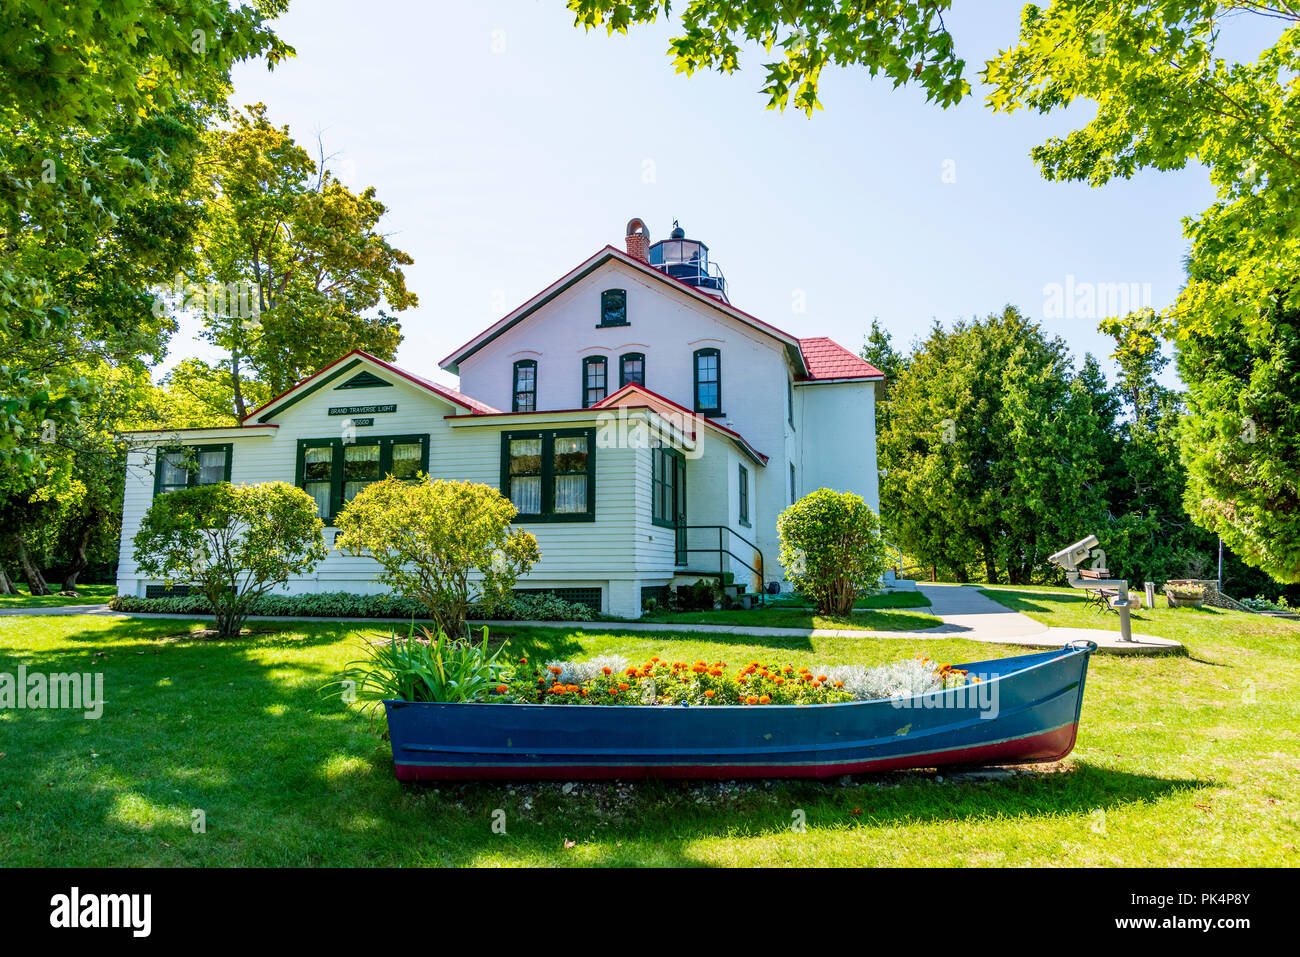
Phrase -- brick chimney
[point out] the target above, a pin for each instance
(638, 240)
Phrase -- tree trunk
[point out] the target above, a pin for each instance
(81, 544)
(6, 586)
(35, 580)
(237, 384)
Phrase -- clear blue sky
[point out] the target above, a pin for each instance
(510, 145)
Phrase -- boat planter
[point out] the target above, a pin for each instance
(1023, 709)
(1176, 602)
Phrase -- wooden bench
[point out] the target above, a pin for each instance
(1100, 598)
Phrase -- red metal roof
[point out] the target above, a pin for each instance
(827, 360)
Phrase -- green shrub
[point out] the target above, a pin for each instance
(430, 538)
(235, 543)
(831, 548)
(431, 667)
(545, 607)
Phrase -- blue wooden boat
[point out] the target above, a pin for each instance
(1024, 709)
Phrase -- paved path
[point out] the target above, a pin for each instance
(968, 614)
(965, 613)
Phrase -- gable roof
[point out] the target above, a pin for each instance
(634, 396)
(609, 253)
(345, 364)
(828, 361)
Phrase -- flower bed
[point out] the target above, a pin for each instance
(1184, 594)
(613, 681)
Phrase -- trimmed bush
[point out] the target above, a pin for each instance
(831, 548)
(349, 605)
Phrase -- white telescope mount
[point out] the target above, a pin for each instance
(1072, 557)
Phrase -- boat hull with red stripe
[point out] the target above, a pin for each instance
(1024, 709)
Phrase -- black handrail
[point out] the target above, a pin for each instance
(721, 550)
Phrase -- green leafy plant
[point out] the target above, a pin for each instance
(441, 543)
(425, 667)
(831, 548)
(233, 543)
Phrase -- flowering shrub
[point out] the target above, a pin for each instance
(1186, 592)
(611, 680)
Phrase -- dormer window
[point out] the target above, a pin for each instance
(525, 390)
(595, 380)
(631, 368)
(613, 307)
(708, 382)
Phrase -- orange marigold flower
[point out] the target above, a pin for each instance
(742, 680)
(710, 693)
(553, 669)
(607, 670)
(630, 671)
(822, 678)
(751, 700)
(839, 684)
(623, 686)
(780, 681)
(802, 670)
(766, 699)
(502, 689)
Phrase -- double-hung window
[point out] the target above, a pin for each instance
(708, 382)
(744, 495)
(595, 380)
(631, 368)
(332, 472)
(550, 476)
(667, 481)
(525, 386)
(187, 466)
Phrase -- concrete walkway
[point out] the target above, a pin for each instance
(968, 614)
(964, 611)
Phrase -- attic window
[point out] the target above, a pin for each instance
(364, 380)
(613, 307)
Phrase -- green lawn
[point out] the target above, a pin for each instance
(1066, 609)
(1181, 761)
(868, 620)
(888, 599)
(90, 595)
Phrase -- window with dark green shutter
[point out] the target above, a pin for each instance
(333, 472)
(185, 466)
(631, 368)
(525, 386)
(708, 382)
(550, 476)
(613, 307)
(595, 380)
(667, 472)
(744, 495)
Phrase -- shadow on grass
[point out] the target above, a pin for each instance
(239, 732)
